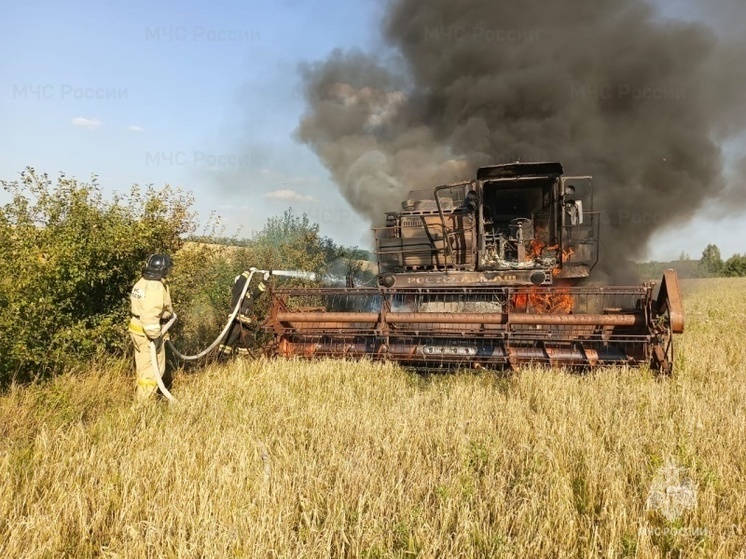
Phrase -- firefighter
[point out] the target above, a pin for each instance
(572, 206)
(151, 308)
(236, 341)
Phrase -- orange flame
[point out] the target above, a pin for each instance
(566, 254)
(536, 301)
(536, 247)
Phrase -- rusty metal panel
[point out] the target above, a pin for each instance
(493, 326)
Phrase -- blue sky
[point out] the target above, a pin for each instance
(205, 97)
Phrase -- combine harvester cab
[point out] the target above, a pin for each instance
(486, 273)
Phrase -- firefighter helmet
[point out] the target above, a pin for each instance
(158, 265)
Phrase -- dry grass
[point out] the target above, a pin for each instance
(334, 459)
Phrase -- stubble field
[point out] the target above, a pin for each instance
(339, 459)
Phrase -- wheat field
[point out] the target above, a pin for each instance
(341, 459)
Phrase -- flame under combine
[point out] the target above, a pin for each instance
(485, 273)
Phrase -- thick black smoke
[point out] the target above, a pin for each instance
(607, 88)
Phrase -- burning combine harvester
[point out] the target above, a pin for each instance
(486, 273)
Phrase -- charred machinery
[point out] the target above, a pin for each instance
(490, 272)
(516, 224)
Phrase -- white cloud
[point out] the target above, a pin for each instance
(135, 128)
(90, 123)
(288, 195)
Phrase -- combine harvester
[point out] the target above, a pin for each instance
(487, 273)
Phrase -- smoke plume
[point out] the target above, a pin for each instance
(607, 88)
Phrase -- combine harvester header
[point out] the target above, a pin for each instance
(490, 272)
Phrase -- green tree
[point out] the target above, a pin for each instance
(351, 265)
(711, 262)
(290, 241)
(204, 271)
(735, 266)
(68, 259)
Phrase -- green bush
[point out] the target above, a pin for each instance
(204, 271)
(293, 242)
(201, 289)
(735, 266)
(68, 259)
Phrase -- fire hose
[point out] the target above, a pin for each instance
(154, 352)
(234, 314)
(225, 329)
(154, 361)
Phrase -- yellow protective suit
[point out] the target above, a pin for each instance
(151, 307)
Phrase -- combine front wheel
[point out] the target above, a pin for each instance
(670, 321)
(663, 350)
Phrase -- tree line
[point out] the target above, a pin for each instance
(709, 265)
